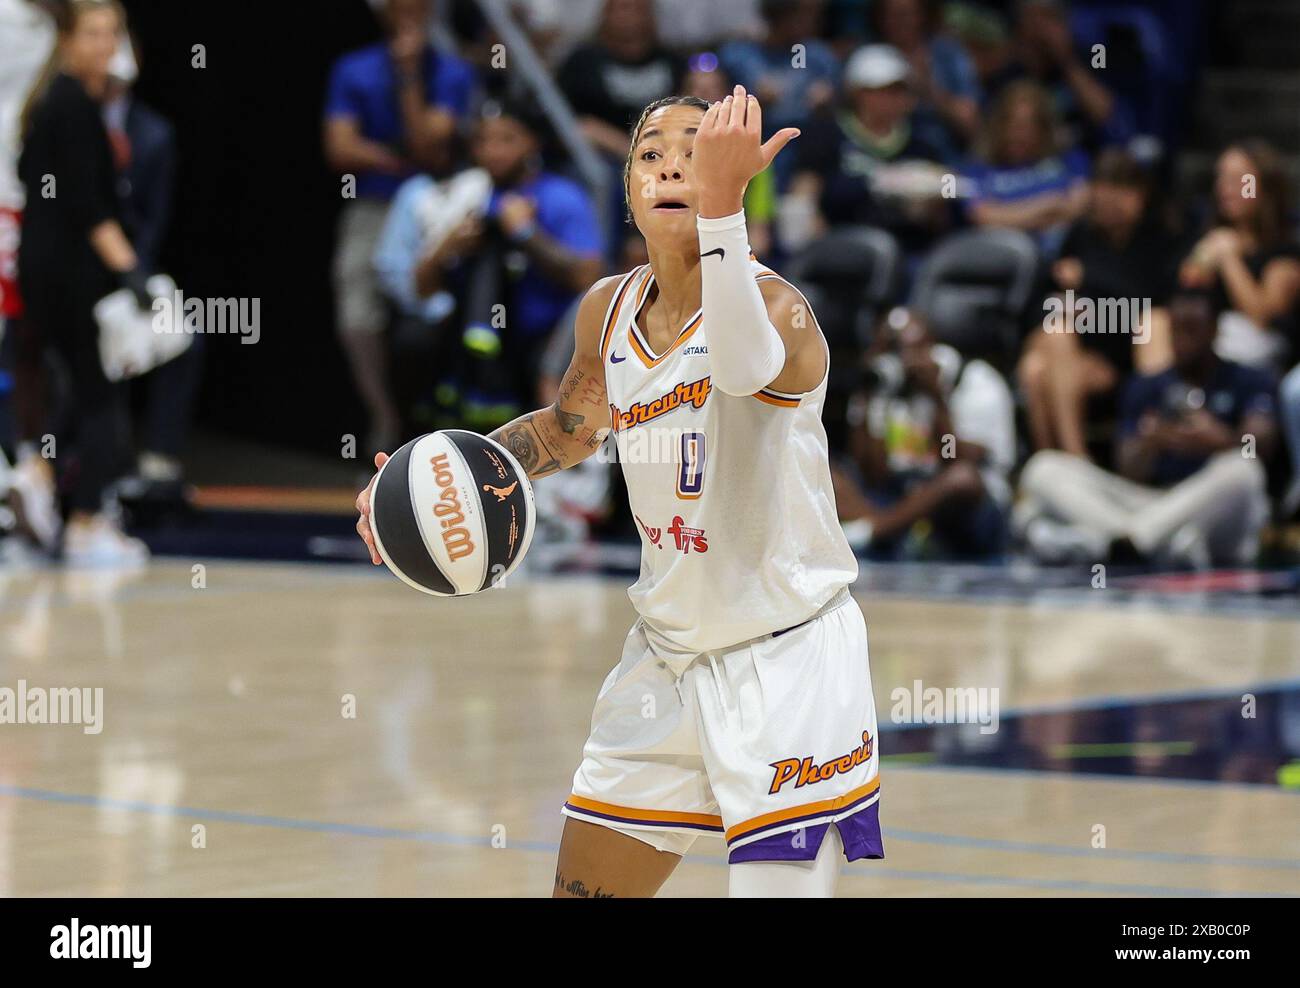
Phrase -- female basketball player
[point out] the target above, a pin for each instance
(742, 704)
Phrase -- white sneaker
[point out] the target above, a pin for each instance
(159, 469)
(1057, 544)
(100, 543)
(33, 501)
(1188, 547)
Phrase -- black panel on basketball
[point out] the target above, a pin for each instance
(398, 527)
(486, 465)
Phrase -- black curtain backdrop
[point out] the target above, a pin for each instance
(255, 207)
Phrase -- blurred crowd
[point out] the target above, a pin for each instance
(1035, 342)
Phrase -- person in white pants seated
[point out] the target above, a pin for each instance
(1191, 487)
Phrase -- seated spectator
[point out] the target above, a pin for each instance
(1025, 180)
(1191, 485)
(943, 76)
(932, 439)
(1250, 258)
(536, 246)
(690, 24)
(985, 39)
(792, 82)
(626, 67)
(1043, 51)
(1118, 253)
(390, 111)
(610, 81)
(867, 164)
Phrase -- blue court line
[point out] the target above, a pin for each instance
(551, 847)
(1061, 885)
(1112, 702)
(1065, 850)
(1132, 780)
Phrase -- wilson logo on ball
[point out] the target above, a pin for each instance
(458, 541)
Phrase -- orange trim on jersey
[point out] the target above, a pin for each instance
(631, 814)
(778, 399)
(611, 321)
(641, 292)
(642, 349)
(825, 806)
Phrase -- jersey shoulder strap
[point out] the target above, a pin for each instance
(627, 298)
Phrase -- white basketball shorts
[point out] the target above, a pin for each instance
(766, 743)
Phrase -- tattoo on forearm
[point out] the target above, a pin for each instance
(569, 421)
(571, 385)
(527, 446)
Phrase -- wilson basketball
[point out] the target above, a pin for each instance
(452, 513)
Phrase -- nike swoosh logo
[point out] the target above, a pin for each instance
(614, 358)
(720, 251)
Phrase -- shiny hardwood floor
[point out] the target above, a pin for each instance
(321, 730)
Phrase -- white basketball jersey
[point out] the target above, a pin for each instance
(732, 495)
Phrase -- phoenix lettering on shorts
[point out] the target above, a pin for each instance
(696, 393)
(807, 772)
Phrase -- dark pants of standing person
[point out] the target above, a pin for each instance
(93, 419)
(173, 388)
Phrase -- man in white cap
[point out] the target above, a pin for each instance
(868, 164)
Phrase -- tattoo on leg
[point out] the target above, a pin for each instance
(578, 889)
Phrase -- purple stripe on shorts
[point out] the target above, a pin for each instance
(815, 815)
(859, 832)
(656, 824)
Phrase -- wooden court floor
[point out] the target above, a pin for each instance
(227, 762)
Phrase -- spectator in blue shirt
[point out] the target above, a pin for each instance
(1023, 179)
(391, 110)
(537, 240)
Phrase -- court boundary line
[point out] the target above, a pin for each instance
(436, 838)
